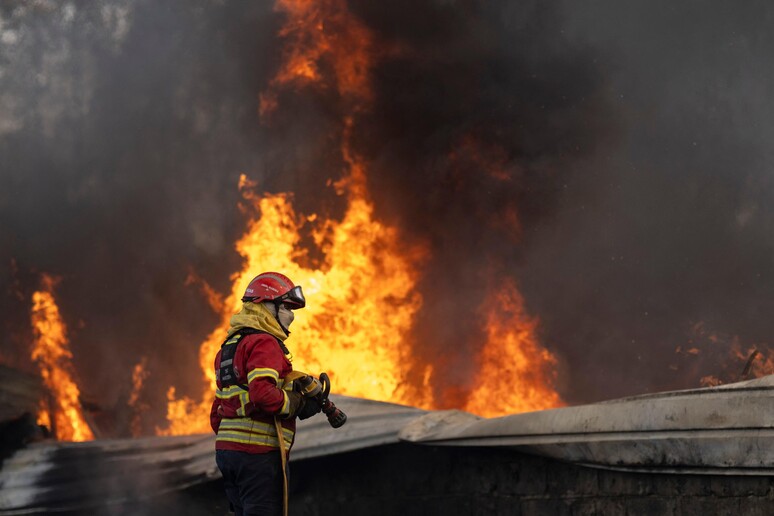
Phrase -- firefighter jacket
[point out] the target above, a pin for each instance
(244, 419)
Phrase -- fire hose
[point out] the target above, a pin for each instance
(314, 390)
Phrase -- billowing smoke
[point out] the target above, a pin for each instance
(124, 127)
(613, 160)
(665, 240)
(480, 119)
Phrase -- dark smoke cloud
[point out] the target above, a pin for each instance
(479, 120)
(671, 227)
(124, 128)
(631, 143)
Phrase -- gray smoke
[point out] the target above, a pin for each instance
(124, 128)
(671, 227)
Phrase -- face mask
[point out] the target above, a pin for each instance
(285, 317)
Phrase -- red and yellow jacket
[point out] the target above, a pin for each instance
(244, 419)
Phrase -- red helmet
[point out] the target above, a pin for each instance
(273, 286)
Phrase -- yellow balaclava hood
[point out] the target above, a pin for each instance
(255, 315)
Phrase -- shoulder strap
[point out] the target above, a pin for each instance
(226, 373)
(250, 331)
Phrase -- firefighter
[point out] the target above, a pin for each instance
(251, 407)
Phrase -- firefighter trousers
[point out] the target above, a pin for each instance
(253, 481)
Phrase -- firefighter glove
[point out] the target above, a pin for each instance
(310, 407)
(295, 403)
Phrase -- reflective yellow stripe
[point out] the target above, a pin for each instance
(229, 392)
(244, 399)
(232, 340)
(249, 431)
(263, 372)
(248, 439)
(251, 425)
(285, 404)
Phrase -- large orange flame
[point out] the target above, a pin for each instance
(363, 309)
(53, 356)
(515, 373)
(362, 295)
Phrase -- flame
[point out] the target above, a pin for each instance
(730, 359)
(710, 381)
(515, 372)
(214, 298)
(44, 416)
(184, 415)
(319, 33)
(742, 363)
(51, 352)
(364, 302)
(362, 293)
(139, 374)
(762, 364)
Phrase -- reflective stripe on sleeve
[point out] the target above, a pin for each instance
(263, 372)
(285, 410)
(244, 399)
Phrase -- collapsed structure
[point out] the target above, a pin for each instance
(672, 452)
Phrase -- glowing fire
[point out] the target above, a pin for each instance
(362, 295)
(515, 372)
(44, 417)
(139, 375)
(364, 301)
(320, 31)
(750, 362)
(724, 355)
(51, 353)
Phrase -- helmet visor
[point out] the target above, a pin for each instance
(293, 297)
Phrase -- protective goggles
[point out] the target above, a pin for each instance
(293, 297)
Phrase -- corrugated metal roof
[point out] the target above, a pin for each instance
(369, 423)
(725, 429)
(717, 430)
(19, 393)
(48, 477)
(74, 476)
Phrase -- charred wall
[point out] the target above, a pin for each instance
(419, 480)
(415, 480)
(402, 478)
